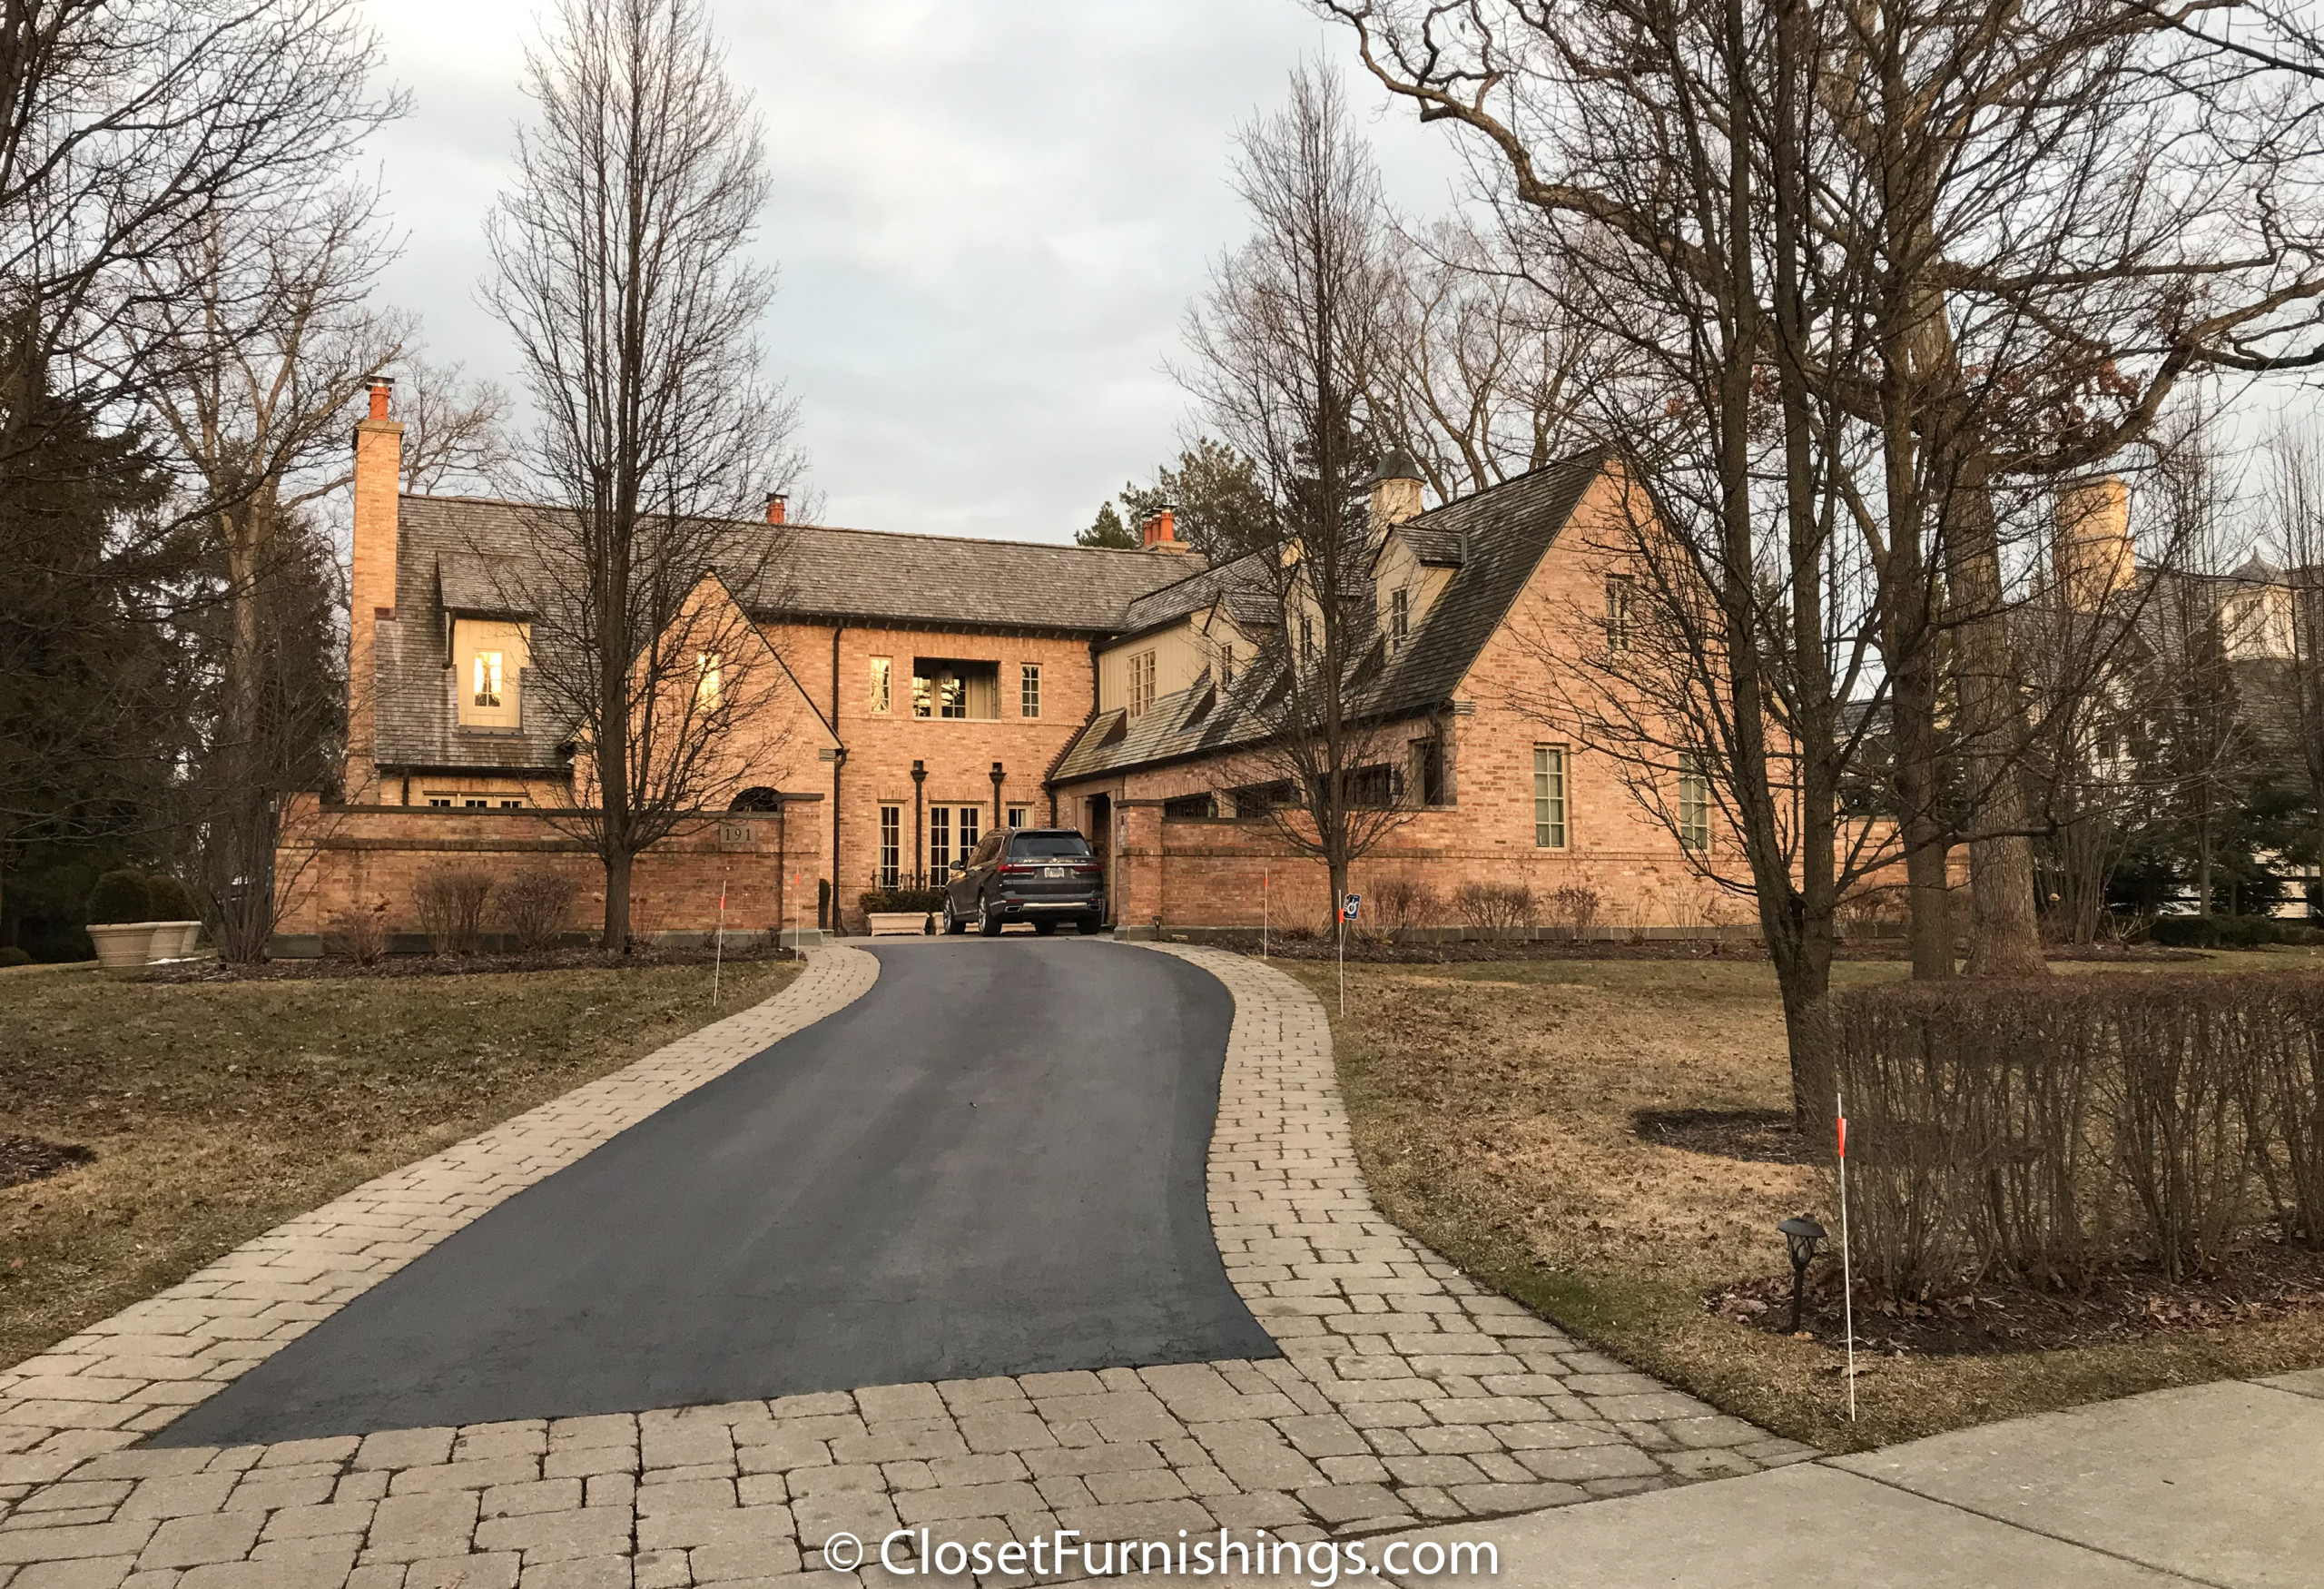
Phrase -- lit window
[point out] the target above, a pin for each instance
(1141, 683)
(1694, 805)
(707, 675)
(1399, 616)
(1618, 592)
(882, 675)
(1549, 797)
(488, 666)
(891, 844)
(1028, 689)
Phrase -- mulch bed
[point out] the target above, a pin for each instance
(25, 1159)
(2265, 1280)
(1373, 951)
(1756, 1136)
(454, 965)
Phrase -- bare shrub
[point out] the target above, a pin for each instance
(1574, 907)
(451, 902)
(2044, 1129)
(360, 934)
(1496, 906)
(536, 904)
(1407, 902)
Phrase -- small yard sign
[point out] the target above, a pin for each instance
(1348, 907)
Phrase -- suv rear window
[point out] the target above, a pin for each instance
(1049, 847)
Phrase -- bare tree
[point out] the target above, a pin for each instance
(127, 129)
(128, 125)
(619, 267)
(2295, 520)
(1279, 347)
(263, 326)
(1483, 371)
(455, 430)
(2058, 214)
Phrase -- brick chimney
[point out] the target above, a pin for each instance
(1160, 533)
(776, 503)
(1395, 492)
(2092, 553)
(371, 585)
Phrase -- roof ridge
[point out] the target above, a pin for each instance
(926, 534)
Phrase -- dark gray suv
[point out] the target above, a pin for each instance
(1038, 875)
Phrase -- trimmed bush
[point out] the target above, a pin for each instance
(170, 900)
(536, 903)
(451, 902)
(1406, 902)
(900, 899)
(361, 935)
(120, 896)
(2246, 932)
(2041, 1130)
(2184, 931)
(11, 955)
(1499, 907)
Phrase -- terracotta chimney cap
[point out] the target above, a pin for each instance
(381, 386)
(775, 504)
(1160, 532)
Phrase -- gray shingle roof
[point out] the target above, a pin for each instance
(1507, 529)
(465, 553)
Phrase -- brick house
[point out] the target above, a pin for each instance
(933, 687)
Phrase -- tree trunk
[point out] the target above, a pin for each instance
(615, 936)
(2005, 935)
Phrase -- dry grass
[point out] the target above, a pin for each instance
(218, 1110)
(1493, 1107)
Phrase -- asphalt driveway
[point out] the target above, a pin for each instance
(991, 1163)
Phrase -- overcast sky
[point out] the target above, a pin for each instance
(989, 215)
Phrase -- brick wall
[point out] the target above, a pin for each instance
(1224, 873)
(338, 859)
(957, 753)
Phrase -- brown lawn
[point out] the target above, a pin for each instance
(1493, 1106)
(216, 1110)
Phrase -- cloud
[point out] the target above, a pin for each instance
(988, 215)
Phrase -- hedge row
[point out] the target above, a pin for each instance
(2044, 1129)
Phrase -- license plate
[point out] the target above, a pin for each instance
(1052, 871)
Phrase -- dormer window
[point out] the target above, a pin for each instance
(1400, 616)
(489, 660)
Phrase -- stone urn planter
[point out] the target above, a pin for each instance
(122, 946)
(172, 939)
(911, 921)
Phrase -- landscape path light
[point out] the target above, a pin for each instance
(1801, 1235)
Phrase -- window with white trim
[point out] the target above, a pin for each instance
(1028, 690)
(1694, 804)
(1141, 683)
(1549, 797)
(891, 845)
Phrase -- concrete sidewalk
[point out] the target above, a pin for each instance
(2211, 1485)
